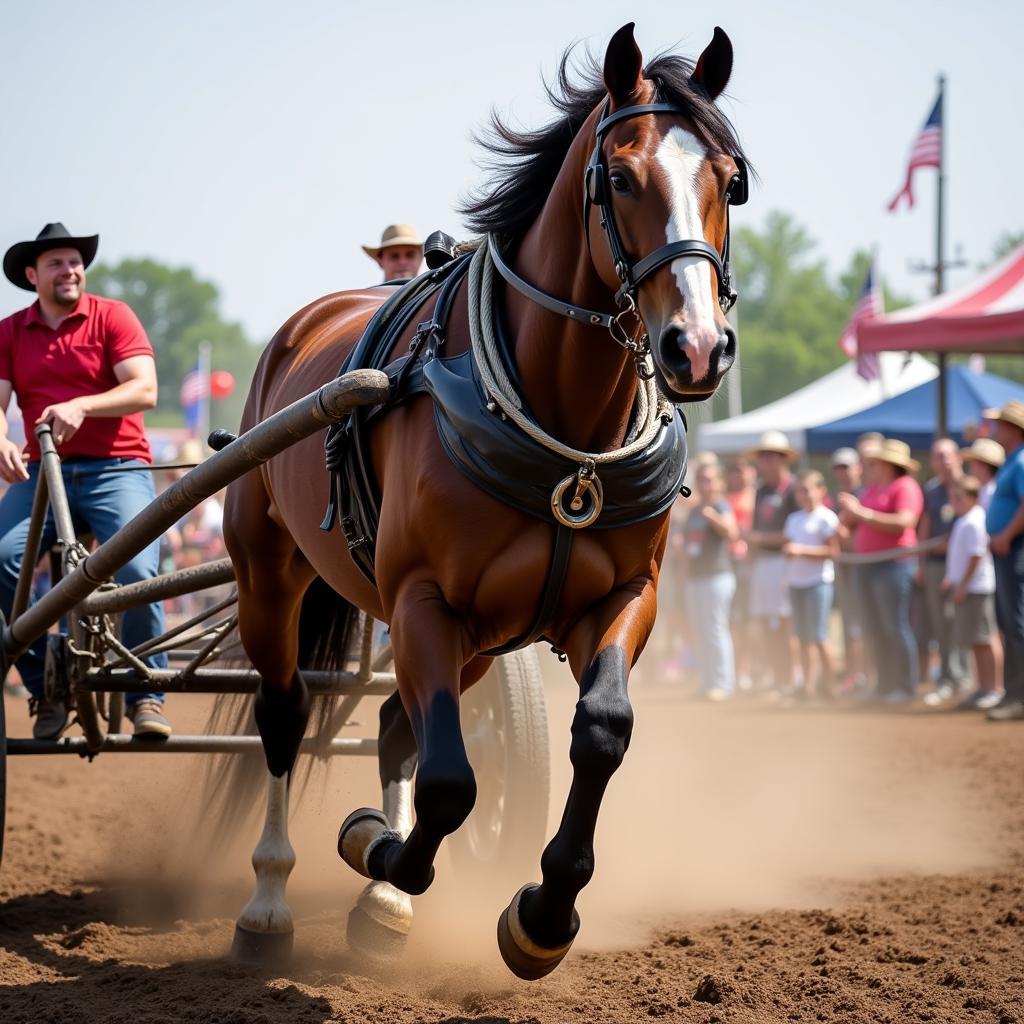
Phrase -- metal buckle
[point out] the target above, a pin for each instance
(586, 482)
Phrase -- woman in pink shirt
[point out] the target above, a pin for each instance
(885, 518)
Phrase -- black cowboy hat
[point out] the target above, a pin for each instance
(53, 236)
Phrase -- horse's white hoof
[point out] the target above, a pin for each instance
(269, 950)
(360, 833)
(522, 956)
(379, 923)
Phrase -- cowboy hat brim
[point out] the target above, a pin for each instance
(1005, 415)
(880, 454)
(374, 251)
(790, 453)
(976, 456)
(24, 254)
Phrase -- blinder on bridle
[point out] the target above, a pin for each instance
(596, 192)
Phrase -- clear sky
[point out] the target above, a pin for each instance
(262, 142)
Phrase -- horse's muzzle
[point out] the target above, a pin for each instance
(691, 368)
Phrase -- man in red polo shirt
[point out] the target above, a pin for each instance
(84, 365)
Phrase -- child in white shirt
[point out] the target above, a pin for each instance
(812, 541)
(971, 581)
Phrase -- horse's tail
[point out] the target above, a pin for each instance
(234, 784)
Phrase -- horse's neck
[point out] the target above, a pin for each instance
(579, 384)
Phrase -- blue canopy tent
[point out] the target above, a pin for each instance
(912, 416)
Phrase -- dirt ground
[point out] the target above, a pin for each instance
(755, 863)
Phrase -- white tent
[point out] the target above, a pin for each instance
(839, 393)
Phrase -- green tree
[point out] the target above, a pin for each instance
(791, 314)
(179, 310)
(1006, 243)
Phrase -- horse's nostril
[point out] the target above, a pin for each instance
(730, 342)
(674, 354)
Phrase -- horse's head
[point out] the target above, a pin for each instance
(660, 183)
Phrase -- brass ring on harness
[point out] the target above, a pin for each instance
(576, 517)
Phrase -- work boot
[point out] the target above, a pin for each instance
(148, 718)
(51, 718)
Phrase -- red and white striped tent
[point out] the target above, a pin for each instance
(985, 316)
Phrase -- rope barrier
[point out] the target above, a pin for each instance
(889, 554)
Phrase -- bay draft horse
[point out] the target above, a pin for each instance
(458, 572)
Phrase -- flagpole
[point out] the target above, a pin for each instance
(940, 265)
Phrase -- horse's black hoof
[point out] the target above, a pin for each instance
(522, 956)
(261, 949)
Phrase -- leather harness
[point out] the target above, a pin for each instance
(494, 454)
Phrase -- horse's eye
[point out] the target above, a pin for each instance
(619, 181)
(732, 192)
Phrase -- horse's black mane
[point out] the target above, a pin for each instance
(527, 162)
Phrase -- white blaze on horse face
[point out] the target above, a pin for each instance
(681, 155)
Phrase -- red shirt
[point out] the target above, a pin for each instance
(47, 366)
(902, 494)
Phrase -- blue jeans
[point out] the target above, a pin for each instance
(101, 501)
(1010, 616)
(887, 589)
(811, 608)
(709, 600)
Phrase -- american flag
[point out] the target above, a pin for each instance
(195, 389)
(927, 152)
(869, 305)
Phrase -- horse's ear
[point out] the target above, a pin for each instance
(715, 65)
(623, 65)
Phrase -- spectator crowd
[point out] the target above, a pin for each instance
(865, 586)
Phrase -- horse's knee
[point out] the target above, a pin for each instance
(445, 794)
(603, 723)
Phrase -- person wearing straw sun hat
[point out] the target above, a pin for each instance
(83, 365)
(399, 254)
(774, 502)
(1005, 524)
(886, 516)
(982, 460)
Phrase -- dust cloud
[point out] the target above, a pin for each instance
(741, 806)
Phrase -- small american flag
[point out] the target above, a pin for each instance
(195, 388)
(869, 305)
(927, 152)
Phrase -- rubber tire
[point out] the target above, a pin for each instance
(513, 693)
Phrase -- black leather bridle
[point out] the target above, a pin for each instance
(596, 192)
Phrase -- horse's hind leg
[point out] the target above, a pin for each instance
(538, 927)
(272, 578)
(430, 662)
(379, 923)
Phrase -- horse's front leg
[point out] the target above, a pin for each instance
(540, 924)
(378, 925)
(431, 658)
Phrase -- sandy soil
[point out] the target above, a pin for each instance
(754, 864)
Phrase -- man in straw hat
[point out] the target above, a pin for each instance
(769, 594)
(84, 365)
(1005, 524)
(399, 254)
